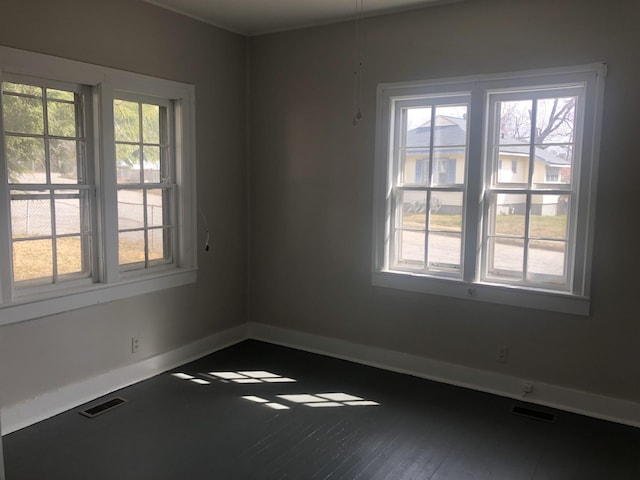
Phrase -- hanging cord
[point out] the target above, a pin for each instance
(204, 219)
(357, 64)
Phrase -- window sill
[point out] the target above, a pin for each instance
(28, 308)
(484, 292)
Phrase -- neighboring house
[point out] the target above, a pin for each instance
(449, 148)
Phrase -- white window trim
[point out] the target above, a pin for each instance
(113, 284)
(470, 286)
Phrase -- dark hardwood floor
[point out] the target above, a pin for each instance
(174, 428)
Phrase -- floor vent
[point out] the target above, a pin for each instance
(103, 407)
(533, 414)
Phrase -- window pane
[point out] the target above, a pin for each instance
(418, 129)
(32, 259)
(548, 217)
(26, 160)
(546, 262)
(63, 155)
(60, 94)
(555, 120)
(508, 214)
(157, 244)
(514, 122)
(448, 166)
(131, 247)
(552, 165)
(415, 168)
(62, 119)
(128, 163)
(151, 164)
(23, 115)
(413, 209)
(446, 211)
(20, 88)
(444, 252)
(410, 249)
(30, 217)
(155, 208)
(126, 117)
(69, 255)
(451, 126)
(130, 209)
(506, 257)
(68, 216)
(150, 123)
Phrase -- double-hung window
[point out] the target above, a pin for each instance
(49, 185)
(485, 186)
(430, 137)
(97, 185)
(145, 182)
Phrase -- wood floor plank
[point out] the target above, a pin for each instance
(172, 428)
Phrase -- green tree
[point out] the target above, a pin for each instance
(137, 134)
(24, 122)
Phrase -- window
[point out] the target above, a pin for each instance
(97, 171)
(427, 218)
(145, 188)
(502, 209)
(45, 151)
(552, 174)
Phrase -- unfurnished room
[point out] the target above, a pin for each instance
(319, 239)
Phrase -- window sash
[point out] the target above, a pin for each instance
(52, 193)
(427, 185)
(528, 191)
(148, 226)
(165, 183)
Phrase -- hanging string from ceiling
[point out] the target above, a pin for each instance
(357, 64)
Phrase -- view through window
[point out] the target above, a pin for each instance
(489, 181)
(144, 176)
(45, 150)
(97, 170)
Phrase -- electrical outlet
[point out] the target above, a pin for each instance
(502, 355)
(135, 344)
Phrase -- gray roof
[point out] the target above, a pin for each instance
(452, 132)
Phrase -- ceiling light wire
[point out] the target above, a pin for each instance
(204, 220)
(357, 64)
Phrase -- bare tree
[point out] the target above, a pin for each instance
(515, 120)
(554, 120)
(558, 120)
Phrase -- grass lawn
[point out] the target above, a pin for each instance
(541, 226)
(34, 259)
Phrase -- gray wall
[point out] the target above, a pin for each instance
(311, 188)
(312, 176)
(42, 355)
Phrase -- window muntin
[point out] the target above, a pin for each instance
(519, 173)
(50, 197)
(430, 148)
(144, 164)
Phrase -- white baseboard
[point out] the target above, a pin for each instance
(576, 401)
(15, 417)
(27, 413)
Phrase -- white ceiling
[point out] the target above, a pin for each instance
(254, 17)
